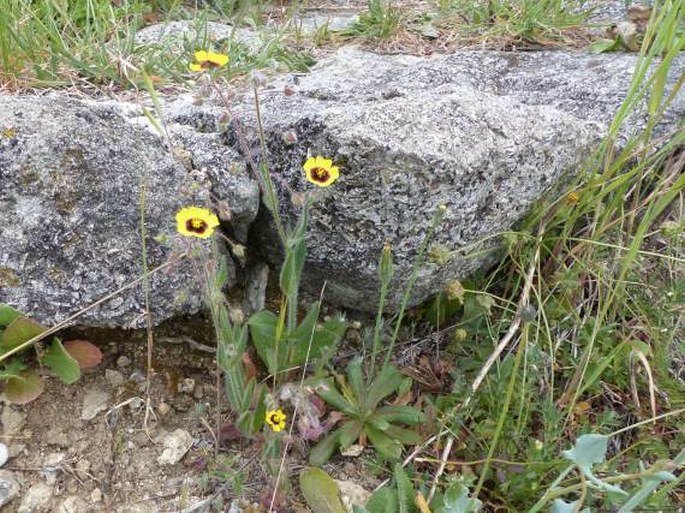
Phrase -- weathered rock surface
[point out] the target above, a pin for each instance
(484, 133)
(71, 176)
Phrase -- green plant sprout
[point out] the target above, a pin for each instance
(22, 384)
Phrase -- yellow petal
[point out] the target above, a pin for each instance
(309, 164)
(219, 59)
(201, 56)
(195, 67)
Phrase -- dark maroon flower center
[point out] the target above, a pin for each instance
(319, 174)
(196, 226)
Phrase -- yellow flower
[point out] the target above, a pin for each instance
(276, 419)
(321, 171)
(196, 222)
(206, 60)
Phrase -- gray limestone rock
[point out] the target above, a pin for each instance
(71, 176)
(487, 134)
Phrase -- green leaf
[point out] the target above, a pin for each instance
(561, 506)
(12, 369)
(385, 446)
(24, 389)
(61, 362)
(349, 433)
(457, 500)
(8, 314)
(87, 355)
(403, 436)
(260, 410)
(405, 490)
(320, 491)
(293, 264)
(299, 339)
(355, 378)
(322, 452)
(589, 450)
(387, 381)
(326, 338)
(404, 414)
(604, 45)
(323, 337)
(263, 332)
(20, 330)
(325, 388)
(383, 501)
(378, 422)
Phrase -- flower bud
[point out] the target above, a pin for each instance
(386, 264)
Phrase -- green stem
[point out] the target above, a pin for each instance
(418, 261)
(505, 408)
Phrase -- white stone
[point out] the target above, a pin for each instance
(94, 402)
(12, 421)
(4, 454)
(36, 498)
(9, 487)
(176, 445)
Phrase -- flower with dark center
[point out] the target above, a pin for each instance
(208, 60)
(321, 171)
(196, 222)
(276, 420)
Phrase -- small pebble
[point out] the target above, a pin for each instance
(186, 386)
(96, 495)
(10, 486)
(82, 468)
(114, 378)
(94, 402)
(123, 361)
(35, 498)
(176, 445)
(199, 392)
(12, 421)
(136, 404)
(163, 409)
(52, 466)
(4, 454)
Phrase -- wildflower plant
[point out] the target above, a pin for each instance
(66, 360)
(365, 419)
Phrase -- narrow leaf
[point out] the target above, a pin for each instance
(387, 382)
(263, 332)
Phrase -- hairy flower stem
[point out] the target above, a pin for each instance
(418, 262)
